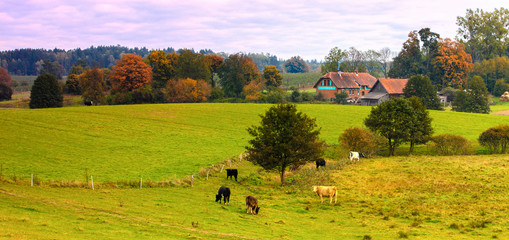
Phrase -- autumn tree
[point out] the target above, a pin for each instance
(453, 64)
(272, 76)
(252, 91)
(130, 73)
(284, 138)
(5, 85)
(214, 62)
(296, 65)
(491, 70)
(188, 91)
(46, 92)
(392, 119)
(358, 139)
(72, 84)
(163, 67)
(93, 86)
(485, 34)
(420, 86)
(237, 71)
(192, 65)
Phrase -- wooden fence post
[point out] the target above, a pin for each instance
(32, 180)
(222, 168)
(141, 183)
(92, 179)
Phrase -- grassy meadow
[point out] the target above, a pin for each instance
(162, 141)
(461, 197)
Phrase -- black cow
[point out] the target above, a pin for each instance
(320, 163)
(223, 192)
(88, 103)
(232, 173)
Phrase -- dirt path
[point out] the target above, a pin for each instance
(505, 112)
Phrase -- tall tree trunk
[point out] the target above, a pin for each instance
(283, 177)
(411, 148)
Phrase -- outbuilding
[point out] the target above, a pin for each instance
(383, 90)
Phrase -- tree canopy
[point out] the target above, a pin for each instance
(237, 71)
(453, 64)
(475, 99)
(272, 76)
(130, 73)
(284, 138)
(46, 92)
(5, 85)
(93, 86)
(296, 65)
(420, 86)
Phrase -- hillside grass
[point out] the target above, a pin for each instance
(163, 141)
(461, 197)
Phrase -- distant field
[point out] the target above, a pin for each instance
(161, 141)
(300, 79)
(463, 197)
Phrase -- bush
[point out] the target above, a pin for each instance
(296, 96)
(450, 144)
(46, 92)
(120, 98)
(216, 94)
(142, 95)
(341, 98)
(495, 138)
(307, 96)
(360, 140)
(275, 96)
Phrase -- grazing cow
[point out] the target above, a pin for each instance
(320, 163)
(326, 191)
(89, 103)
(354, 156)
(232, 173)
(223, 192)
(252, 204)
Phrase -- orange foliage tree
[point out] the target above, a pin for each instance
(93, 85)
(453, 63)
(163, 67)
(130, 73)
(5, 85)
(252, 91)
(188, 91)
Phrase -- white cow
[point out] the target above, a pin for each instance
(354, 156)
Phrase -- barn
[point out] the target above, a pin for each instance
(355, 84)
(383, 90)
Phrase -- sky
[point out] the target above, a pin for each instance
(285, 28)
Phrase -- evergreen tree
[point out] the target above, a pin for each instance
(46, 92)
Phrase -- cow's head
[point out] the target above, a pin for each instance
(218, 197)
(257, 209)
(314, 188)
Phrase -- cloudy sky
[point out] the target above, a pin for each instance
(284, 28)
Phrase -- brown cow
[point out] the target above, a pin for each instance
(252, 204)
(326, 191)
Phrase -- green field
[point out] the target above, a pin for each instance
(464, 197)
(163, 141)
(303, 80)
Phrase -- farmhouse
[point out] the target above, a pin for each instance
(383, 90)
(354, 84)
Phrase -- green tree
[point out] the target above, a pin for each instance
(272, 76)
(500, 87)
(284, 138)
(421, 129)
(420, 86)
(409, 60)
(192, 65)
(333, 60)
(5, 85)
(52, 68)
(237, 71)
(485, 33)
(296, 65)
(46, 92)
(475, 99)
(93, 85)
(72, 85)
(392, 119)
(430, 46)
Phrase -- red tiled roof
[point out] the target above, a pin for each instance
(349, 80)
(393, 85)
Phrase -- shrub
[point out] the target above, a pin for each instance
(341, 98)
(495, 138)
(360, 140)
(142, 95)
(216, 94)
(120, 98)
(275, 96)
(307, 96)
(450, 144)
(46, 92)
(296, 96)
